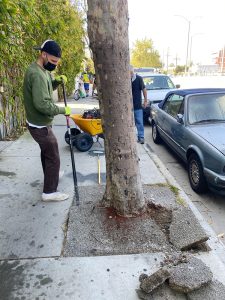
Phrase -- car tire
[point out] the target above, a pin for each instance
(155, 134)
(76, 95)
(196, 175)
(74, 132)
(83, 141)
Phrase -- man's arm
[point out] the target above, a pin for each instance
(144, 91)
(42, 101)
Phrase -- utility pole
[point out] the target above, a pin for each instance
(222, 60)
(188, 38)
(167, 59)
(176, 60)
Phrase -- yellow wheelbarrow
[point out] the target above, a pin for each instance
(82, 137)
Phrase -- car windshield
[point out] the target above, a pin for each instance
(206, 108)
(158, 82)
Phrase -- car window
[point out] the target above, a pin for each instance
(174, 105)
(206, 108)
(170, 83)
(158, 82)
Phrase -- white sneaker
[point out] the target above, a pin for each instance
(57, 196)
(61, 173)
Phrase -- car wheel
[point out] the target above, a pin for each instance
(83, 142)
(74, 132)
(196, 175)
(155, 134)
(76, 95)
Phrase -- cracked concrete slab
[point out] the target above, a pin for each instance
(213, 290)
(185, 230)
(161, 195)
(190, 276)
(151, 282)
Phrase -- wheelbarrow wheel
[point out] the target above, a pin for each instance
(83, 141)
(74, 132)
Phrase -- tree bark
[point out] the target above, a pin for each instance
(108, 34)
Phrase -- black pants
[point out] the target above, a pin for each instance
(49, 156)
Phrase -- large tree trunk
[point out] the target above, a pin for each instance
(108, 34)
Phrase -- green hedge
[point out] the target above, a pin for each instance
(24, 24)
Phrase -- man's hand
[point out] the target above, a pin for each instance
(67, 111)
(61, 79)
(145, 103)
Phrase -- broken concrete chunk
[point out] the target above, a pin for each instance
(163, 292)
(142, 277)
(174, 258)
(151, 282)
(214, 290)
(190, 276)
(185, 230)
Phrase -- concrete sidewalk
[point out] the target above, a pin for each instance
(33, 234)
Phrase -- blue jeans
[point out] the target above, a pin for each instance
(138, 118)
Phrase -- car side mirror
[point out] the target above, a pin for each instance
(180, 118)
(177, 86)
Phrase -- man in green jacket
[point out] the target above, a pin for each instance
(40, 110)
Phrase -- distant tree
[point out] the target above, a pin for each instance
(89, 65)
(179, 70)
(61, 21)
(143, 54)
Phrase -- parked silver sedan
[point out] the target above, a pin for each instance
(192, 123)
(157, 86)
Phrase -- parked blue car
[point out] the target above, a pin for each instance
(192, 123)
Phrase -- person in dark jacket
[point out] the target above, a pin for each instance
(138, 88)
(40, 110)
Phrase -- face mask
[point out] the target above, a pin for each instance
(49, 66)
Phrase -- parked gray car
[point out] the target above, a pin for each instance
(192, 123)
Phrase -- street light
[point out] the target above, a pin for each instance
(191, 45)
(188, 37)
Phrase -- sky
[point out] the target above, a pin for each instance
(156, 20)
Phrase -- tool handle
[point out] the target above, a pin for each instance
(71, 151)
(99, 171)
(64, 94)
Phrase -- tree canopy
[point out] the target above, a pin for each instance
(143, 54)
